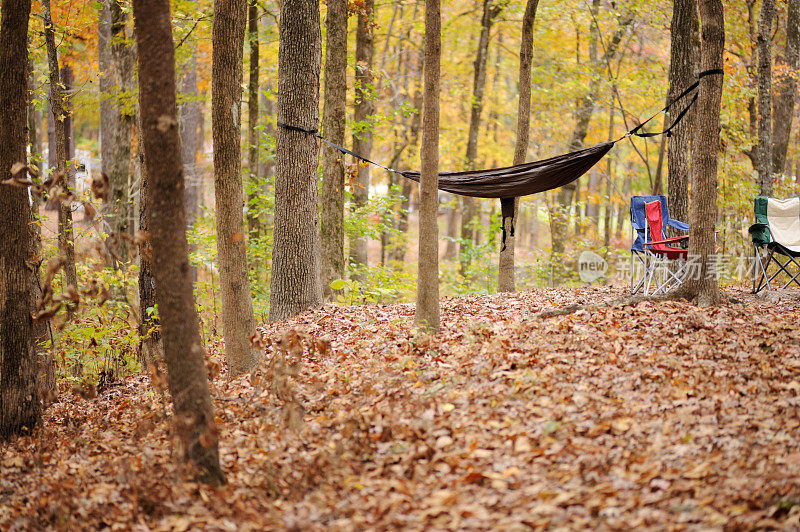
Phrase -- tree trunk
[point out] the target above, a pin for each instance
(764, 148)
(52, 152)
(47, 367)
(505, 270)
(190, 118)
(362, 128)
(413, 141)
(333, 123)
(607, 216)
(427, 311)
(66, 242)
(238, 322)
(115, 124)
(151, 348)
(295, 284)
(682, 72)
(253, 220)
(783, 105)
(559, 213)
(623, 211)
(469, 206)
(702, 281)
(451, 246)
(188, 383)
(20, 408)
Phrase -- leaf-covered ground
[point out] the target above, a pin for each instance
(654, 416)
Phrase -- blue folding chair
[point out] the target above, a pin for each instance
(641, 256)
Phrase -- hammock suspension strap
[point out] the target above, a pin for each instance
(668, 131)
(569, 166)
(342, 149)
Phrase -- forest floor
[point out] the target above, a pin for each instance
(649, 416)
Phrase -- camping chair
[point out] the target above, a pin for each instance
(776, 241)
(641, 257)
(667, 265)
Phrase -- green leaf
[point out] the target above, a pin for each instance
(338, 284)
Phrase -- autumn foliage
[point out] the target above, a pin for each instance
(632, 416)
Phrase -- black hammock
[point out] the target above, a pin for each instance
(512, 182)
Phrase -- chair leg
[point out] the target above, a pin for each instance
(638, 286)
(767, 277)
(760, 277)
(754, 269)
(792, 278)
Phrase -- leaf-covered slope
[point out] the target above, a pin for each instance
(659, 415)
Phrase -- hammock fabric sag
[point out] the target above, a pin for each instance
(512, 182)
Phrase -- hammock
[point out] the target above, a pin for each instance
(528, 178)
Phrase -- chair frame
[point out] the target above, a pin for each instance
(645, 257)
(666, 278)
(764, 254)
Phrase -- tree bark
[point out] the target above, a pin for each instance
(238, 322)
(399, 252)
(427, 311)
(333, 123)
(295, 284)
(188, 383)
(559, 213)
(505, 270)
(66, 242)
(362, 128)
(151, 348)
(682, 72)
(190, 118)
(701, 283)
(253, 221)
(469, 205)
(20, 408)
(783, 105)
(115, 124)
(764, 148)
(41, 329)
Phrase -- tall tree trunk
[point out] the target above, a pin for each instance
(151, 348)
(623, 211)
(427, 311)
(764, 148)
(783, 105)
(115, 124)
(333, 123)
(238, 322)
(66, 242)
(362, 129)
(190, 118)
(683, 63)
(469, 209)
(20, 408)
(47, 367)
(188, 383)
(505, 270)
(451, 246)
(295, 284)
(253, 221)
(413, 141)
(559, 212)
(52, 152)
(702, 281)
(749, 60)
(607, 216)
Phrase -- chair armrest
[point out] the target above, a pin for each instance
(668, 240)
(760, 233)
(636, 226)
(678, 224)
